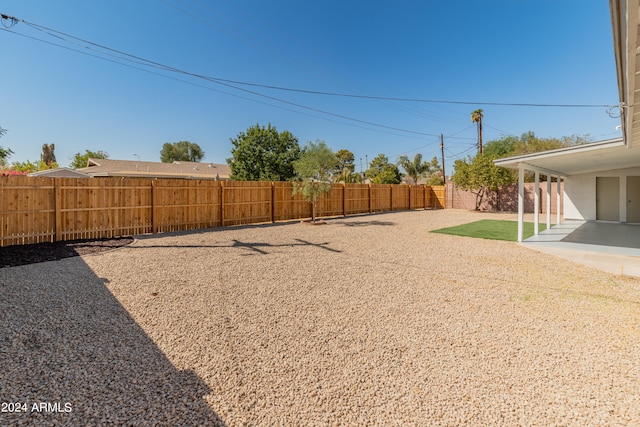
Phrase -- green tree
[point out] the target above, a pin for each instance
(382, 172)
(4, 152)
(503, 147)
(29, 166)
(345, 161)
(348, 177)
(263, 154)
(313, 170)
(345, 168)
(434, 174)
(415, 168)
(570, 141)
(81, 160)
(182, 151)
(387, 176)
(476, 117)
(480, 176)
(529, 142)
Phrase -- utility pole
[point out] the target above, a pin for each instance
(480, 130)
(444, 175)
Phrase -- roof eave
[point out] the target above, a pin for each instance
(527, 161)
(133, 174)
(610, 143)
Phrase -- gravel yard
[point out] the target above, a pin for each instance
(367, 320)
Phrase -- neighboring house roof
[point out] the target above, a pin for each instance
(611, 154)
(133, 168)
(60, 173)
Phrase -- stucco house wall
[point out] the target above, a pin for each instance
(580, 193)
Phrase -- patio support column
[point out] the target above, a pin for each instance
(548, 202)
(558, 200)
(520, 203)
(536, 205)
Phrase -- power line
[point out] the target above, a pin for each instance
(412, 150)
(8, 21)
(244, 86)
(310, 91)
(207, 87)
(457, 155)
(432, 101)
(499, 130)
(224, 82)
(459, 132)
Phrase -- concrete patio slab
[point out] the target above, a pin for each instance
(611, 247)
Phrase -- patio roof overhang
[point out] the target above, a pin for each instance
(596, 156)
(592, 157)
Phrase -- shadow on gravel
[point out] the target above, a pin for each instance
(13, 256)
(70, 354)
(254, 247)
(364, 223)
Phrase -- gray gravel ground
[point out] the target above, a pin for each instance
(367, 320)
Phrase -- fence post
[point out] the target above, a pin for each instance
(154, 214)
(221, 198)
(344, 199)
(425, 196)
(446, 190)
(445, 197)
(409, 196)
(369, 198)
(391, 196)
(273, 202)
(58, 209)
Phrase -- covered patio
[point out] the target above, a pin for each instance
(578, 168)
(612, 247)
(580, 234)
(601, 179)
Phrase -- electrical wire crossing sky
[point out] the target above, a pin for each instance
(371, 77)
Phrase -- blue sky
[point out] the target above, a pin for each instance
(497, 51)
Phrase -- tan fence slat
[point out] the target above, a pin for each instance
(35, 209)
(356, 198)
(27, 210)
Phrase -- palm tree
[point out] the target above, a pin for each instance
(414, 168)
(476, 117)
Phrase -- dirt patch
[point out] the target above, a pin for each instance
(12, 256)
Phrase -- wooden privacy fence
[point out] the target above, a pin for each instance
(34, 210)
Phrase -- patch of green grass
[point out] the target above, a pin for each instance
(491, 229)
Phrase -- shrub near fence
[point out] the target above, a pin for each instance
(34, 209)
